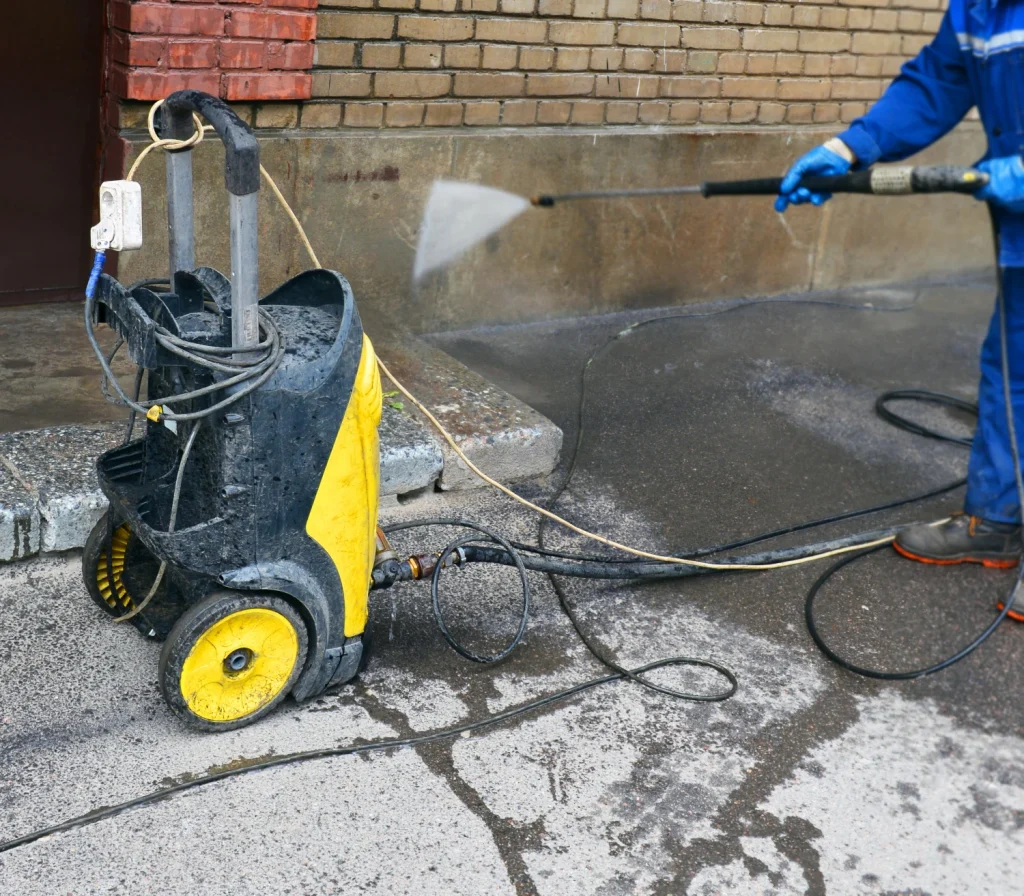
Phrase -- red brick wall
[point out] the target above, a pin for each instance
(237, 49)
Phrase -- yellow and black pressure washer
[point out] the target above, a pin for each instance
(256, 574)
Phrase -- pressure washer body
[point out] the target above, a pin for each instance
(269, 539)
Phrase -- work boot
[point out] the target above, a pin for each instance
(962, 539)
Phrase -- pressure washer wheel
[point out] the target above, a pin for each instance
(112, 585)
(231, 658)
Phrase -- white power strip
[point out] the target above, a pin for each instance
(120, 226)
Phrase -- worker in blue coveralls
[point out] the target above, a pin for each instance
(977, 59)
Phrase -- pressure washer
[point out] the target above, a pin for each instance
(242, 528)
(256, 574)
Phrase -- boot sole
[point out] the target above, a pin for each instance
(991, 562)
(1013, 614)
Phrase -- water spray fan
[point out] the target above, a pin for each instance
(460, 215)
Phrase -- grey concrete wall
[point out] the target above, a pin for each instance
(361, 194)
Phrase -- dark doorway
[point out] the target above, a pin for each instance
(52, 71)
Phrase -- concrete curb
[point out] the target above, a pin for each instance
(50, 499)
(503, 436)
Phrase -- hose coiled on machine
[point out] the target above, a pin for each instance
(243, 371)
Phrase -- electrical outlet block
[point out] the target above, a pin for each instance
(120, 226)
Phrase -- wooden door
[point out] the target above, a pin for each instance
(51, 69)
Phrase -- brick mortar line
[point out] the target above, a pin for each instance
(326, 11)
(519, 18)
(594, 73)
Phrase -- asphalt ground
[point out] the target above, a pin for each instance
(698, 429)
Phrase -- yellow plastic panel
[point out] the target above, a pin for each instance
(343, 519)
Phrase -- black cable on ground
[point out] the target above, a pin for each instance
(812, 629)
(574, 459)
(925, 395)
(1011, 426)
(508, 555)
(755, 539)
(656, 569)
(602, 567)
(435, 598)
(881, 408)
(309, 755)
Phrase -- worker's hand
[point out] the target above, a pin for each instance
(1005, 186)
(821, 161)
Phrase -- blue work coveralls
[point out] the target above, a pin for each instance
(977, 59)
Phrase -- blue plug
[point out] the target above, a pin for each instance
(94, 274)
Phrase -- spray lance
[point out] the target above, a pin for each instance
(460, 215)
(900, 180)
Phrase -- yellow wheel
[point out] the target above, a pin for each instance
(102, 578)
(231, 658)
(130, 570)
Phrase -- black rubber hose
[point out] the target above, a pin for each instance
(514, 560)
(894, 419)
(654, 569)
(930, 397)
(755, 539)
(511, 557)
(104, 812)
(812, 629)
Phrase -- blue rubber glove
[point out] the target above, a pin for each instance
(1005, 186)
(819, 160)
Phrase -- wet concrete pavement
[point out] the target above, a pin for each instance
(697, 430)
(49, 374)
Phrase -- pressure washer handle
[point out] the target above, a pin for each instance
(885, 181)
(242, 152)
(242, 177)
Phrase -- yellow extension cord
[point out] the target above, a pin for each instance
(197, 137)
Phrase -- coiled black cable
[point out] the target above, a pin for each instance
(1011, 426)
(508, 555)
(451, 548)
(564, 563)
(247, 368)
(925, 395)
(881, 408)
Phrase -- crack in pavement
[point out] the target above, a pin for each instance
(740, 817)
(512, 840)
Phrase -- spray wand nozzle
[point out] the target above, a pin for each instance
(460, 215)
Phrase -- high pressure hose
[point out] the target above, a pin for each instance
(561, 563)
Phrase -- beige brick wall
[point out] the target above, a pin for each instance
(516, 63)
(410, 63)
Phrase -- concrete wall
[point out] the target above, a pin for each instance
(361, 194)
